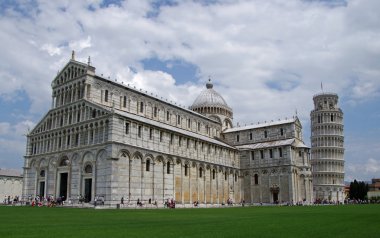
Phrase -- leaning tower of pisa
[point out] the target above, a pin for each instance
(327, 151)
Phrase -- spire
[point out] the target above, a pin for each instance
(73, 55)
(89, 61)
(209, 84)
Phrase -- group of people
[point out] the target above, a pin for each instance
(170, 203)
(139, 203)
(48, 201)
(11, 200)
(230, 202)
(359, 201)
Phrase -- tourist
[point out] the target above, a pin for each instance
(59, 201)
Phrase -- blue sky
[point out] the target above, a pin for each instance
(267, 59)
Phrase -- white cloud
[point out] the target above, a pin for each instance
(80, 45)
(13, 142)
(365, 170)
(161, 84)
(23, 127)
(267, 59)
(17, 130)
(361, 157)
(51, 50)
(240, 44)
(367, 86)
(373, 166)
(12, 152)
(10, 86)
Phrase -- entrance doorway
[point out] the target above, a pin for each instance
(42, 189)
(275, 197)
(87, 190)
(275, 190)
(63, 186)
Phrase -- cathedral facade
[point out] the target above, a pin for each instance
(105, 140)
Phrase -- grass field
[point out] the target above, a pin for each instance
(319, 221)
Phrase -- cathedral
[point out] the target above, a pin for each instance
(104, 140)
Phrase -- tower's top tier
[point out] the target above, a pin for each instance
(325, 101)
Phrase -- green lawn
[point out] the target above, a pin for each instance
(320, 221)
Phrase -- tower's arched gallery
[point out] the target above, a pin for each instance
(103, 139)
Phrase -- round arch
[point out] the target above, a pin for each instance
(88, 156)
(170, 159)
(75, 158)
(227, 123)
(159, 159)
(137, 155)
(148, 156)
(43, 163)
(101, 154)
(216, 118)
(124, 154)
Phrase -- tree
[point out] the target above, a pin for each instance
(358, 190)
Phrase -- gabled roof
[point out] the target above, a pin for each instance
(76, 64)
(95, 105)
(261, 125)
(276, 143)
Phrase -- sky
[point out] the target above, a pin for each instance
(266, 58)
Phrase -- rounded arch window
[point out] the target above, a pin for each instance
(168, 167)
(88, 169)
(42, 173)
(147, 165)
(186, 169)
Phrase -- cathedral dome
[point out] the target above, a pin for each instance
(211, 104)
(209, 98)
